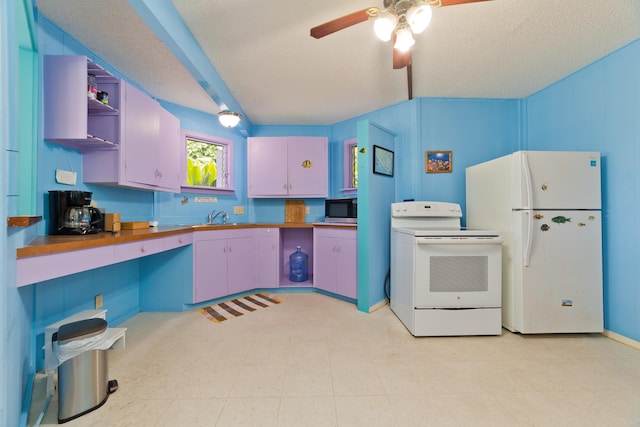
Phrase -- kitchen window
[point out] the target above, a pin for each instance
(207, 163)
(350, 166)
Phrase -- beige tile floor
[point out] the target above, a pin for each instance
(317, 361)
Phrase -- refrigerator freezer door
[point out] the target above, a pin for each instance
(556, 180)
(561, 288)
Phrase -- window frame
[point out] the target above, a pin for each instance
(228, 163)
(348, 147)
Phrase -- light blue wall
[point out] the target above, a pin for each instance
(598, 109)
(475, 130)
(16, 345)
(376, 192)
(171, 209)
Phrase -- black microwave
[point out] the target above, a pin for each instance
(341, 210)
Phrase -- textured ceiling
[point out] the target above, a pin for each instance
(278, 74)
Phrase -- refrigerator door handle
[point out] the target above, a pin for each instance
(527, 177)
(529, 239)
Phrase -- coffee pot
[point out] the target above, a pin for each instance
(82, 217)
(70, 213)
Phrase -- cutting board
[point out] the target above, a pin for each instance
(134, 225)
(294, 211)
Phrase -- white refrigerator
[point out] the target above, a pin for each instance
(547, 206)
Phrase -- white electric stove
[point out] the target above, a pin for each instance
(445, 280)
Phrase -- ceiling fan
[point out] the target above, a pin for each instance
(397, 21)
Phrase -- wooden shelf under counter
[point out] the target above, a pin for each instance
(23, 221)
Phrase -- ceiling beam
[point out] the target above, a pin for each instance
(165, 21)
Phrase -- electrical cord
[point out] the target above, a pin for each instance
(387, 285)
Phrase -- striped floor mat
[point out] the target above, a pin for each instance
(237, 307)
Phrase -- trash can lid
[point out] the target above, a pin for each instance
(80, 329)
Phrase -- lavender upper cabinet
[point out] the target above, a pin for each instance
(168, 159)
(335, 266)
(71, 116)
(287, 167)
(148, 156)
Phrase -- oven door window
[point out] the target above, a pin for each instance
(459, 273)
(457, 276)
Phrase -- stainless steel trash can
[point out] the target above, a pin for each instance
(83, 384)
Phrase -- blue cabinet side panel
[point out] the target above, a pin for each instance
(166, 280)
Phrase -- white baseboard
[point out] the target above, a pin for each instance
(622, 339)
(378, 306)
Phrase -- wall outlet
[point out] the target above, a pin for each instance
(238, 210)
(307, 210)
(98, 301)
(201, 199)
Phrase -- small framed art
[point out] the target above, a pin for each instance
(382, 161)
(438, 161)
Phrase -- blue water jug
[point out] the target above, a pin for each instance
(298, 266)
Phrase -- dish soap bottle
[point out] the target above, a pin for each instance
(298, 266)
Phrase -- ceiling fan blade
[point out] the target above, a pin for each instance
(344, 22)
(455, 2)
(400, 59)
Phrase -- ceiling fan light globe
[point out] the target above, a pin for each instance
(384, 25)
(404, 39)
(419, 17)
(229, 119)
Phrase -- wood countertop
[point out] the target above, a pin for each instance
(43, 245)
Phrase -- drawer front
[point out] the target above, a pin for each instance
(127, 251)
(40, 268)
(177, 240)
(338, 233)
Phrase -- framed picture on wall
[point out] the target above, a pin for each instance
(382, 161)
(438, 162)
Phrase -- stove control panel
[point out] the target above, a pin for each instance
(426, 210)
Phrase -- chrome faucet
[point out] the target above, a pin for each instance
(211, 217)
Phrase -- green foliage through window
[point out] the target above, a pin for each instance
(354, 165)
(205, 164)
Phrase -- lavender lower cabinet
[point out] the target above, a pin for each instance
(240, 257)
(335, 266)
(267, 244)
(222, 263)
(210, 269)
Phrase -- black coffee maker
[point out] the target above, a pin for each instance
(70, 213)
